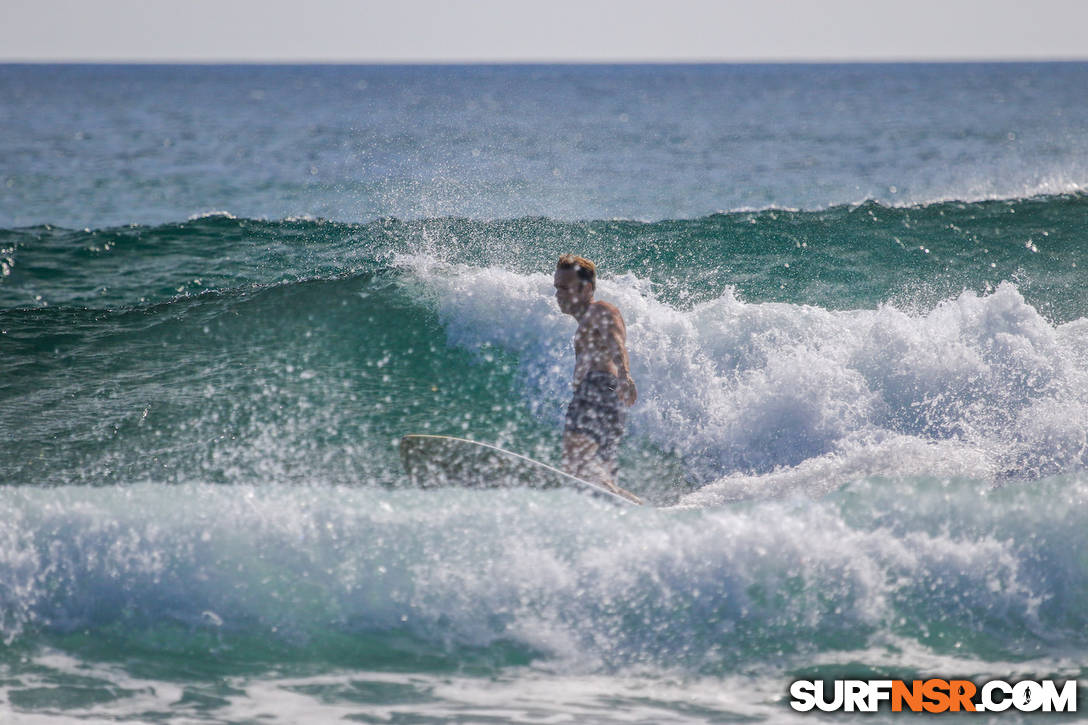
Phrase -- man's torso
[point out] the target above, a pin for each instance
(600, 342)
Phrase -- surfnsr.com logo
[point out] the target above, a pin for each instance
(934, 695)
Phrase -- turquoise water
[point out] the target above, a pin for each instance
(857, 317)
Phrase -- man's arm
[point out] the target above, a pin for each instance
(627, 391)
(614, 332)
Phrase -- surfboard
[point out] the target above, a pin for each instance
(433, 461)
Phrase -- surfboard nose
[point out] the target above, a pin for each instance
(433, 461)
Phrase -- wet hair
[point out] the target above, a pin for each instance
(587, 271)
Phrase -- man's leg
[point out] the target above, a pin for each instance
(580, 459)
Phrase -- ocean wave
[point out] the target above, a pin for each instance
(842, 257)
(251, 383)
(758, 357)
(531, 575)
(736, 388)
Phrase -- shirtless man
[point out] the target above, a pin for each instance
(603, 387)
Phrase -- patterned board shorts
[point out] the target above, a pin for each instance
(596, 411)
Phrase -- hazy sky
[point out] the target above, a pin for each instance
(535, 30)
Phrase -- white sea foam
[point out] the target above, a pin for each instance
(586, 585)
(216, 214)
(913, 574)
(716, 606)
(524, 695)
(784, 397)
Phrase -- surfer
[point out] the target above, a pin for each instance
(603, 388)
